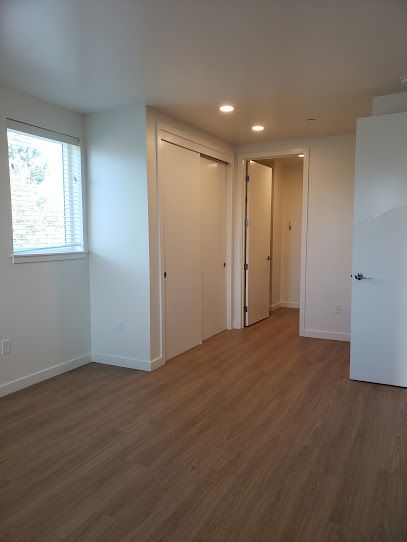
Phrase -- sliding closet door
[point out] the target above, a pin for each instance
(213, 193)
(179, 178)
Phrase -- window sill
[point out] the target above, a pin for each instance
(32, 258)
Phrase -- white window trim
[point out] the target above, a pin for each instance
(49, 257)
(64, 138)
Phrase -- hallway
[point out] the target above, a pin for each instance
(256, 435)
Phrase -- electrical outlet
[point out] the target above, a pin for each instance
(5, 347)
(338, 309)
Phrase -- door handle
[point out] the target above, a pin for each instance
(268, 258)
(360, 276)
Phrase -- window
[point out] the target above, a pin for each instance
(46, 192)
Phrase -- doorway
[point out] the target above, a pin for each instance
(275, 205)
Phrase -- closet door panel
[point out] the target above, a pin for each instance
(213, 192)
(179, 178)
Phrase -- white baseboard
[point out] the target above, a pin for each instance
(331, 335)
(286, 304)
(129, 363)
(44, 374)
(157, 363)
(290, 304)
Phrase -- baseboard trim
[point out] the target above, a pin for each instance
(129, 363)
(157, 363)
(44, 374)
(275, 306)
(330, 335)
(290, 304)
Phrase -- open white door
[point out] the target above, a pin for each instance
(258, 230)
(213, 196)
(379, 290)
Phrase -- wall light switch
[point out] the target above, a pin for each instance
(338, 309)
(5, 347)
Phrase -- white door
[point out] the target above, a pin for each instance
(258, 228)
(180, 204)
(213, 193)
(379, 289)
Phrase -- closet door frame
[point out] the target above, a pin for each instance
(170, 134)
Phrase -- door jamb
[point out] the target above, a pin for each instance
(240, 217)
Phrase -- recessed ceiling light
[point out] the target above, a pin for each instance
(257, 128)
(226, 108)
(310, 119)
(301, 156)
(403, 80)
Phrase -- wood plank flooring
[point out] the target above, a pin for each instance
(256, 435)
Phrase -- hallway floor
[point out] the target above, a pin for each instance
(256, 435)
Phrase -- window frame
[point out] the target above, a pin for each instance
(44, 255)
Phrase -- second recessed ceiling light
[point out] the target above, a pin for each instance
(257, 128)
(226, 108)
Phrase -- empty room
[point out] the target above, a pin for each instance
(202, 246)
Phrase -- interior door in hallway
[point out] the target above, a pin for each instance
(379, 290)
(257, 233)
(213, 194)
(180, 201)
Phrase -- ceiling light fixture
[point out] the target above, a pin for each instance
(257, 128)
(301, 156)
(226, 108)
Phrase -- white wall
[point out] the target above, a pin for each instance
(329, 238)
(286, 244)
(392, 103)
(119, 237)
(291, 211)
(44, 306)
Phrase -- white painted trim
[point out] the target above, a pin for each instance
(275, 306)
(332, 335)
(290, 304)
(129, 363)
(157, 363)
(44, 374)
(53, 257)
(183, 139)
(168, 132)
(285, 150)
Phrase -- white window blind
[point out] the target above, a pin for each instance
(46, 191)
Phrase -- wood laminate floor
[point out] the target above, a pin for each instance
(256, 435)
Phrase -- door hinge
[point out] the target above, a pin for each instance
(246, 222)
(247, 178)
(245, 267)
(245, 308)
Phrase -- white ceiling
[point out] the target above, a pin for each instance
(278, 61)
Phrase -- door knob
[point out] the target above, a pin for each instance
(268, 258)
(360, 276)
